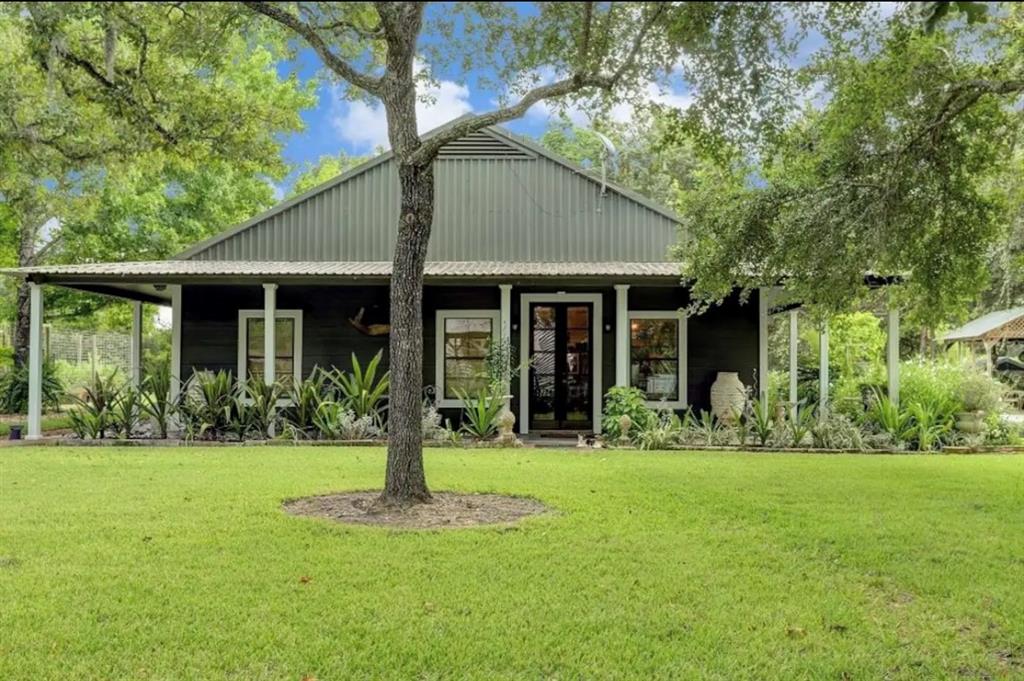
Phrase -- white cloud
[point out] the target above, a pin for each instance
(364, 125)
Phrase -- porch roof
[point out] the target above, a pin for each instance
(144, 280)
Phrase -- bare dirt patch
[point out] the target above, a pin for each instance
(447, 510)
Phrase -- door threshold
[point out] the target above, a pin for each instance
(561, 433)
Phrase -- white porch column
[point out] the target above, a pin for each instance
(136, 344)
(176, 376)
(794, 359)
(35, 363)
(762, 343)
(892, 353)
(622, 334)
(506, 334)
(823, 368)
(269, 332)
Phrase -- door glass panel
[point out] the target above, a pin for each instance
(560, 369)
(578, 317)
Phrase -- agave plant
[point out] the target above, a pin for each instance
(92, 415)
(480, 412)
(156, 398)
(931, 423)
(800, 424)
(361, 391)
(891, 419)
(126, 411)
(762, 419)
(256, 406)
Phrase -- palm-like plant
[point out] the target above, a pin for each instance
(762, 419)
(93, 412)
(891, 419)
(305, 397)
(156, 398)
(800, 424)
(256, 405)
(361, 391)
(931, 423)
(480, 412)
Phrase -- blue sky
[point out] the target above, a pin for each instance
(359, 128)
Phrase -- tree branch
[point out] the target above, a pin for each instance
(588, 19)
(341, 67)
(579, 81)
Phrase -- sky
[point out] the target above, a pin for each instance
(360, 128)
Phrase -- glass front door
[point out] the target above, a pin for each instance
(561, 366)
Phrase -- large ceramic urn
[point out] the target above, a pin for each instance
(728, 396)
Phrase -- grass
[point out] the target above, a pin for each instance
(49, 423)
(179, 563)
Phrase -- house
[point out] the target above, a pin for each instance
(571, 271)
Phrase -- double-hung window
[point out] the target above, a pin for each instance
(462, 343)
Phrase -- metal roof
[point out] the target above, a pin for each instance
(150, 270)
(986, 326)
(498, 196)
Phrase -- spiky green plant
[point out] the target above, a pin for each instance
(801, 424)
(156, 398)
(361, 391)
(95, 405)
(480, 412)
(126, 411)
(891, 419)
(931, 422)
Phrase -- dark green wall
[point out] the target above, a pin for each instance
(722, 339)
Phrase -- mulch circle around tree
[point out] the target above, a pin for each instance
(447, 509)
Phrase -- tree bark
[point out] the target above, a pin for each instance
(405, 481)
(21, 325)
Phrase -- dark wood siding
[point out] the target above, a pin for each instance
(722, 339)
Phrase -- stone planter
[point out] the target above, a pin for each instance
(728, 395)
(972, 422)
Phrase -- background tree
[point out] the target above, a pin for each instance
(735, 55)
(897, 172)
(95, 89)
(326, 168)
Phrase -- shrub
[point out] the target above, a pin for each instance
(304, 398)
(14, 389)
(254, 408)
(662, 433)
(997, 432)
(933, 383)
(977, 391)
(836, 431)
(631, 402)
(890, 419)
(205, 405)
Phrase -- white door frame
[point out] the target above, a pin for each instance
(525, 300)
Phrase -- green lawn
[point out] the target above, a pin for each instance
(179, 563)
(50, 423)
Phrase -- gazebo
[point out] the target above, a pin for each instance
(1002, 327)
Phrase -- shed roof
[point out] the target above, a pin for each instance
(1000, 324)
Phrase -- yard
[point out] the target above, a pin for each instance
(179, 563)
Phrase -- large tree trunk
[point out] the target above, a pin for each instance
(406, 482)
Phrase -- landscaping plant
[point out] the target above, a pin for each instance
(14, 389)
(126, 411)
(92, 416)
(631, 402)
(663, 433)
(891, 419)
(836, 431)
(931, 423)
(361, 391)
(480, 412)
(156, 398)
(762, 419)
(205, 405)
(800, 425)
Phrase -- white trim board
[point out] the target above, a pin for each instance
(682, 339)
(439, 319)
(525, 300)
(245, 315)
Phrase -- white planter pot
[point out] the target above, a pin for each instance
(728, 395)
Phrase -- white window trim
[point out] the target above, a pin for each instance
(681, 339)
(440, 317)
(524, 350)
(245, 315)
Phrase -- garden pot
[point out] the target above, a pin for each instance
(972, 422)
(15, 433)
(728, 395)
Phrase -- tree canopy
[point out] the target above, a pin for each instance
(899, 169)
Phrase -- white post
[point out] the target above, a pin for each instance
(506, 335)
(762, 344)
(136, 344)
(794, 359)
(176, 376)
(892, 358)
(269, 333)
(35, 362)
(621, 334)
(823, 368)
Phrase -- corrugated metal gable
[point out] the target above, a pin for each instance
(495, 200)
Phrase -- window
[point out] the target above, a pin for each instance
(657, 356)
(463, 338)
(287, 345)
